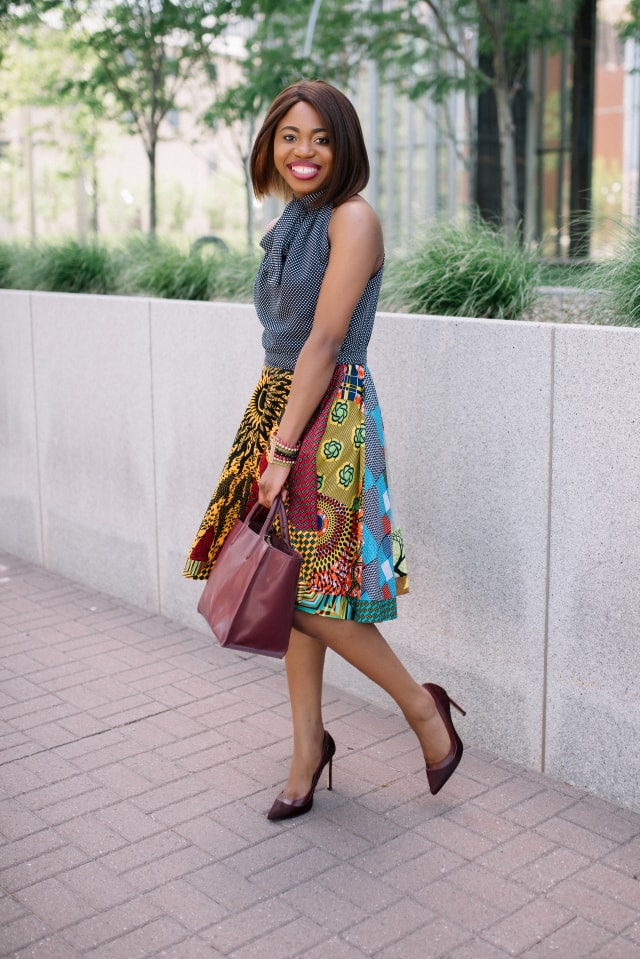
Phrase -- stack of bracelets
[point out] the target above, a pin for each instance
(282, 453)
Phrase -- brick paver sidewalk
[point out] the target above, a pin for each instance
(138, 761)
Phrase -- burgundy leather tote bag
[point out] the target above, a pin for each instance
(251, 591)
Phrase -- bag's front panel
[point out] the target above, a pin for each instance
(263, 623)
(230, 580)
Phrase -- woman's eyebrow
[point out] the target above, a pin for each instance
(289, 126)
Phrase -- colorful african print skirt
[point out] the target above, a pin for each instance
(338, 503)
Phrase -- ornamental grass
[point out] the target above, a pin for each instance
(618, 281)
(66, 267)
(141, 266)
(462, 271)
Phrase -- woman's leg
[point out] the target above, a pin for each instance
(305, 665)
(362, 645)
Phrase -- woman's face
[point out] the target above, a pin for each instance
(302, 151)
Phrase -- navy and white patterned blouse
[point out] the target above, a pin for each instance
(288, 284)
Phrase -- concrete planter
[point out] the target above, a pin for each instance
(515, 458)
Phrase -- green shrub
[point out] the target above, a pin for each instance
(618, 281)
(68, 267)
(233, 276)
(141, 267)
(7, 256)
(73, 267)
(462, 271)
(20, 269)
(158, 268)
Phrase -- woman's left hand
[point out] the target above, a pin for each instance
(272, 482)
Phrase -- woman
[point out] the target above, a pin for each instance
(313, 431)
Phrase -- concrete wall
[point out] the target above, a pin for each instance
(515, 458)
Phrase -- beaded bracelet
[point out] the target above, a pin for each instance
(280, 460)
(282, 452)
(284, 447)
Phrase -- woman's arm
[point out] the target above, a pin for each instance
(356, 253)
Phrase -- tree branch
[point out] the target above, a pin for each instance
(453, 46)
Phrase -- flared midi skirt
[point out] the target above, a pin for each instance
(338, 503)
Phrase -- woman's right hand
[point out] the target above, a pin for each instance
(272, 482)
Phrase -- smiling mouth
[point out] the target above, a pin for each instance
(304, 171)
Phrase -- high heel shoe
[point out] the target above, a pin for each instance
(438, 773)
(284, 808)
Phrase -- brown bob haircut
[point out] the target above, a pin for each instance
(350, 172)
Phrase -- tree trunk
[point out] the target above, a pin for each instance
(250, 211)
(152, 186)
(94, 199)
(249, 190)
(488, 181)
(82, 219)
(28, 164)
(582, 96)
(506, 135)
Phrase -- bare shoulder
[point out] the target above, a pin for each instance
(355, 231)
(355, 215)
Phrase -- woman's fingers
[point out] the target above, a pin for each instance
(271, 483)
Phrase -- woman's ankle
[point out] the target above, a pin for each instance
(420, 707)
(307, 744)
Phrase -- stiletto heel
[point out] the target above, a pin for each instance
(455, 705)
(439, 773)
(284, 808)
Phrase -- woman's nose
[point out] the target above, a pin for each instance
(304, 148)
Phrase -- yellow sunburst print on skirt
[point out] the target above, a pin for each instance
(353, 557)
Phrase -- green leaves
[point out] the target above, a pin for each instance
(630, 29)
(143, 51)
(144, 267)
(276, 52)
(462, 271)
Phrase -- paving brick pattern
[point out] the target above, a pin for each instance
(137, 761)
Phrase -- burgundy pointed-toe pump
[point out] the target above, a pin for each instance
(284, 808)
(439, 773)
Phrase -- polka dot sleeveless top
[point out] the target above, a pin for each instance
(288, 284)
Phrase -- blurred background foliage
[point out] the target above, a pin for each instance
(440, 85)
